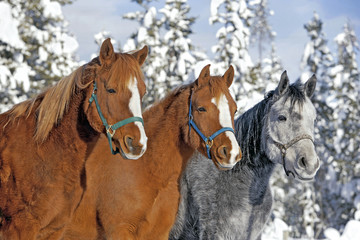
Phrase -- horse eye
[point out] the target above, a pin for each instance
(282, 118)
(201, 109)
(111, 90)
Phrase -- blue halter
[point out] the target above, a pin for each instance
(208, 140)
(110, 129)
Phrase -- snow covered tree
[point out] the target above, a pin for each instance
(317, 57)
(99, 38)
(331, 203)
(271, 69)
(172, 56)
(14, 71)
(261, 32)
(42, 51)
(345, 168)
(149, 34)
(233, 48)
(181, 53)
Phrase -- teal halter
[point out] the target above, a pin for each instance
(110, 129)
(208, 140)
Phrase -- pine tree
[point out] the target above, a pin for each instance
(11, 60)
(271, 69)
(47, 50)
(181, 54)
(260, 28)
(149, 34)
(99, 38)
(233, 44)
(345, 102)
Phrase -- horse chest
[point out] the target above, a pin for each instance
(162, 213)
(247, 209)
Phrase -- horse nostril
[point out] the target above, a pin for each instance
(129, 142)
(302, 162)
(224, 152)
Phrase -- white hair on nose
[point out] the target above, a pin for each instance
(226, 121)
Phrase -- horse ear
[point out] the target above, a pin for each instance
(310, 86)
(141, 55)
(204, 75)
(229, 76)
(106, 52)
(283, 84)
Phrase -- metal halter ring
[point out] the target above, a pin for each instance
(209, 142)
(110, 131)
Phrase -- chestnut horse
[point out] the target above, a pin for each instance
(139, 199)
(45, 141)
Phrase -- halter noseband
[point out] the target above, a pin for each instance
(110, 129)
(284, 147)
(208, 140)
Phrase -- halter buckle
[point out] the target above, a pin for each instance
(209, 143)
(110, 131)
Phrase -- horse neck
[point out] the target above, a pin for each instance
(74, 125)
(165, 123)
(249, 127)
(255, 168)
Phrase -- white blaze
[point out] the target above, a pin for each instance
(226, 121)
(135, 108)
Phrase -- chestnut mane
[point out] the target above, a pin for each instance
(51, 105)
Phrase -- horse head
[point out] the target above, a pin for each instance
(114, 101)
(289, 139)
(211, 116)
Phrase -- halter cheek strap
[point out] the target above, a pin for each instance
(208, 140)
(284, 147)
(111, 129)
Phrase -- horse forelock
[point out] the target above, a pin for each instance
(217, 87)
(124, 70)
(250, 124)
(295, 94)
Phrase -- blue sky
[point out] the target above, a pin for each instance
(88, 17)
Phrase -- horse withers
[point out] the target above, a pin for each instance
(236, 204)
(139, 199)
(45, 141)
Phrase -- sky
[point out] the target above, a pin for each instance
(88, 17)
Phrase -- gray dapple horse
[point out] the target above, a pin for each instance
(236, 204)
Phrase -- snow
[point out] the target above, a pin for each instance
(332, 234)
(70, 44)
(149, 16)
(351, 231)
(214, 5)
(4, 75)
(8, 30)
(340, 38)
(21, 75)
(276, 231)
(52, 9)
